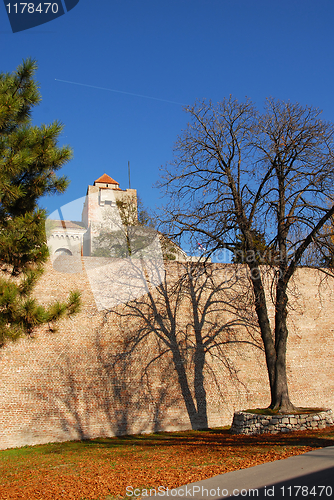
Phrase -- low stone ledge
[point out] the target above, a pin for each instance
(255, 423)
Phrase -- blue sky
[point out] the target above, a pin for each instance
(173, 50)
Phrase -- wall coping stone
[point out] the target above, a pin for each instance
(255, 423)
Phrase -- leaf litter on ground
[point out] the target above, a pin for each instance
(102, 469)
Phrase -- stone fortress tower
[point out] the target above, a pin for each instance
(105, 206)
(108, 208)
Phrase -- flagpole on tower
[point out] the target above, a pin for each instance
(129, 175)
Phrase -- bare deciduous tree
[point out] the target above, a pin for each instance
(237, 173)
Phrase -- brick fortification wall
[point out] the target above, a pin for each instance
(65, 385)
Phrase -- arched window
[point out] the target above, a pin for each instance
(63, 251)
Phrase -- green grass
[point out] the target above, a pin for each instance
(297, 411)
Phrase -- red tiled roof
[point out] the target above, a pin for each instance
(106, 179)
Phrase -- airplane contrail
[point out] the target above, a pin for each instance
(120, 92)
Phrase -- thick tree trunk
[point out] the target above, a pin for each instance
(275, 350)
(280, 399)
(264, 323)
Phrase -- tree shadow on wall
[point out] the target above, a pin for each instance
(151, 357)
(97, 392)
(133, 403)
(63, 400)
(192, 320)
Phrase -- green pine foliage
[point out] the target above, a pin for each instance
(264, 254)
(29, 161)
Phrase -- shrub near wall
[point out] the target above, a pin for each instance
(64, 385)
